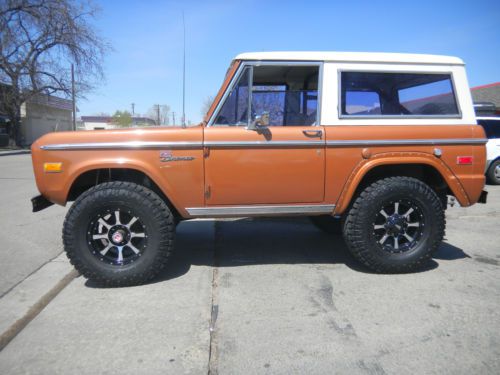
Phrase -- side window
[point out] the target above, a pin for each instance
(285, 95)
(362, 102)
(288, 94)
(397, 94)
(491, 127)
(495, 125)
(234, 111)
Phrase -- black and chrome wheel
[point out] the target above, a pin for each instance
(494, 173)
(395, 224)
(117, 237)
(119, 233)
(398, 226)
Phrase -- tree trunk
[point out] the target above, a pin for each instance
(14, 128)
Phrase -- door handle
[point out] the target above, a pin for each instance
(313, 133)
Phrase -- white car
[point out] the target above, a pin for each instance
(491, 126)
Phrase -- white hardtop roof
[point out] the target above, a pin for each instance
(351, 57)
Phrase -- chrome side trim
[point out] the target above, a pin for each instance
(406, 142)
(256, 210)
(122, 145)
(263, 144)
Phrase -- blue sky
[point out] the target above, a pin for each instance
(146, 64)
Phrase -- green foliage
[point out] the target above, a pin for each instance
(122, 118)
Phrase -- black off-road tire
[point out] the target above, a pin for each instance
(327, 223)
(152, 213)
(494, 178)
(359, 228)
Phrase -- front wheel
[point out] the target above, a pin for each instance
(395, 225)
(118, 234)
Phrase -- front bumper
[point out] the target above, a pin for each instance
(40, 202)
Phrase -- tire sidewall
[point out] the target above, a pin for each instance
(112, 199)
(366, 246)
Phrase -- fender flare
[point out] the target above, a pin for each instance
(398, 158)
(121, 163)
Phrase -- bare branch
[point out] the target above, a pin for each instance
(39, 40)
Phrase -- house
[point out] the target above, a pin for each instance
(39, 115)
(487, 94)
(43, 114)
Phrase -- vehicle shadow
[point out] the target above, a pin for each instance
(252, 241)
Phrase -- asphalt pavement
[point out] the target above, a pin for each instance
(246, 296)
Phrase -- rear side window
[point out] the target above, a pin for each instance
(373, 94)
(491, 128)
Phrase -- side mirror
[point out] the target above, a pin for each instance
(260, 121)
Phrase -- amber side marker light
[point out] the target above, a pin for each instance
(52, 167)
(465, 160)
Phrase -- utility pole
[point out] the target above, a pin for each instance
(73, 95)
(173, 118)
(133, 109)
(158, 113)
(184, 74)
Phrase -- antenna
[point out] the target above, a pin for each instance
(184, 73)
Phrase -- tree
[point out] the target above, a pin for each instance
(207, 103)
(164, 113)
(122, 119)
(39, 40)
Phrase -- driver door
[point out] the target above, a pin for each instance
(263, 145)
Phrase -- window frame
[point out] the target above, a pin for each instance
(253, 63)
(369, 117)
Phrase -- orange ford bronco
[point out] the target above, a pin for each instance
(364, 143)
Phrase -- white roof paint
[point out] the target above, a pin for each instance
(365, 57)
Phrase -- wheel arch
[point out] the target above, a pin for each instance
(90, 177)
(424, 167)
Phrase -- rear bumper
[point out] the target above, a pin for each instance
(40, 202)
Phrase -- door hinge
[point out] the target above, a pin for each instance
(206, 152)
(208, 192)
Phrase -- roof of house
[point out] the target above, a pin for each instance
(351, 57)
(51, 101)
(487, 93)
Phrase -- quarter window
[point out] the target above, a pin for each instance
(365, 94)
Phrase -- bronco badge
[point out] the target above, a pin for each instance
(167, 156)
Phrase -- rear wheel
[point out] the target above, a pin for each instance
(494, 173)
(395, 225)
(119, 233)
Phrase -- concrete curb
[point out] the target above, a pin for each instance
(14, 152)
(26, 300)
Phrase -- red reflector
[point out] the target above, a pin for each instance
(464, 160)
